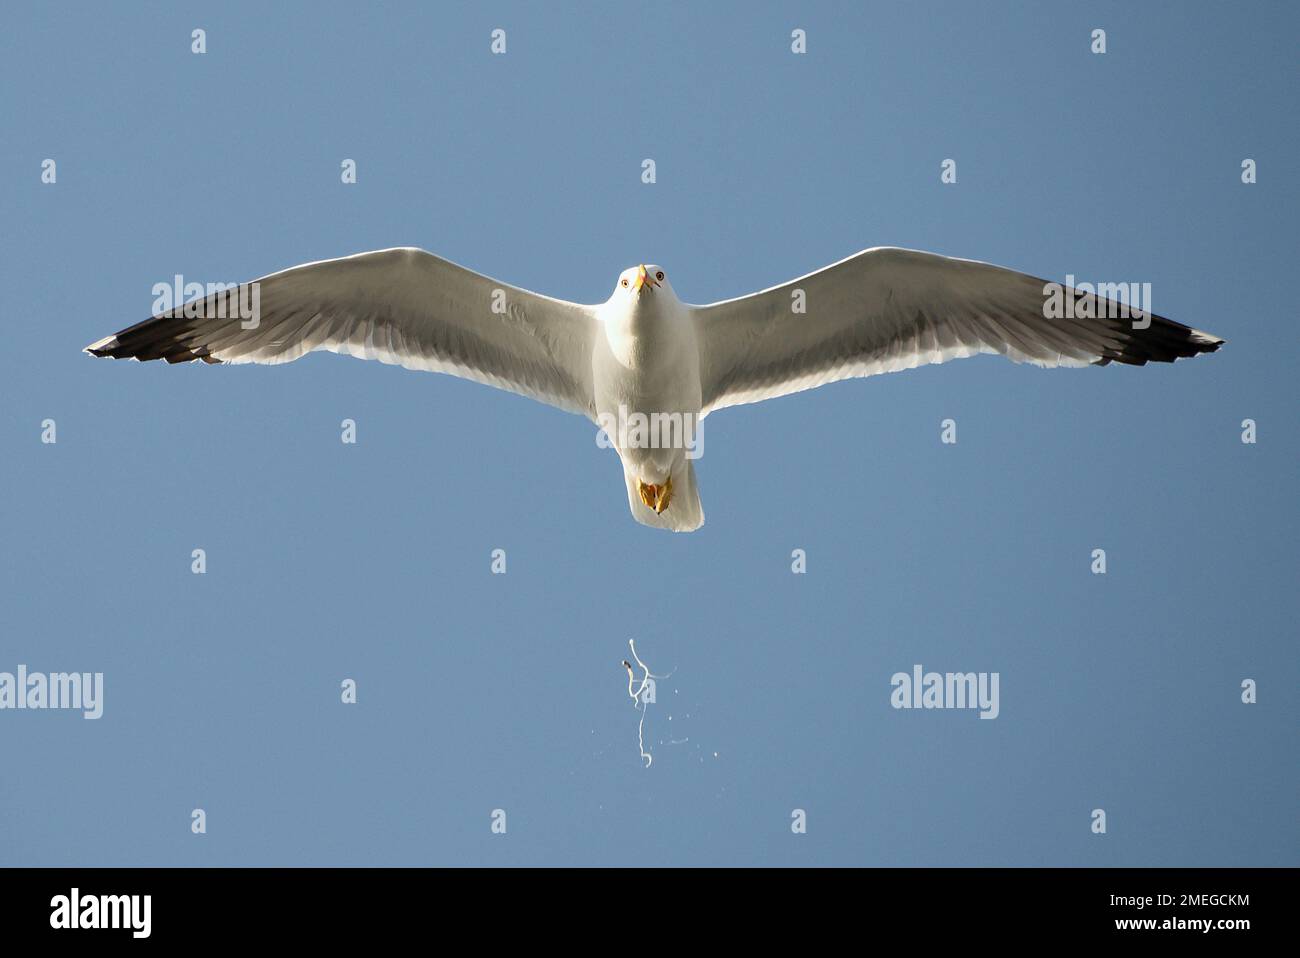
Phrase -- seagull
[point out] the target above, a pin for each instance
(645, 353)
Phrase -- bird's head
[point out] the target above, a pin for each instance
(642, 281)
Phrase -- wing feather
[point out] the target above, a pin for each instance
(401, 306)
(889, 309)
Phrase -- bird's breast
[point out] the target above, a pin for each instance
(648, 363)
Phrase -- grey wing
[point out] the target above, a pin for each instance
(402, 306)
(888, 309)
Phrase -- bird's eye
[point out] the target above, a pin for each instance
(625, 282)
(660, 276)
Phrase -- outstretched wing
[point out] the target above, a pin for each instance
(402, 306)
(888, 309)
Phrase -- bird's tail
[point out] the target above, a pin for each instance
(684, 513)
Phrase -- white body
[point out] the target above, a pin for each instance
(646, 361)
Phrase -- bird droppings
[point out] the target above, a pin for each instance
(642, 695)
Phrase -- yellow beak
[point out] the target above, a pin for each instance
(643, 278)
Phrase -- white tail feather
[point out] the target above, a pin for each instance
(684, 512)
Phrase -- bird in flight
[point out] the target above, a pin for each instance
(643, 357)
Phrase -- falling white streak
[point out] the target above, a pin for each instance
(640, 740)
(635, 695)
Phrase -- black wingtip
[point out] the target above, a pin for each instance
(1160, 341)
(166, 337)
(103, 348)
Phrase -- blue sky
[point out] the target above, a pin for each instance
(371, 561)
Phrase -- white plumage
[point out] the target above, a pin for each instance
(643, 350)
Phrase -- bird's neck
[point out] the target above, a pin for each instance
(643, 327)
